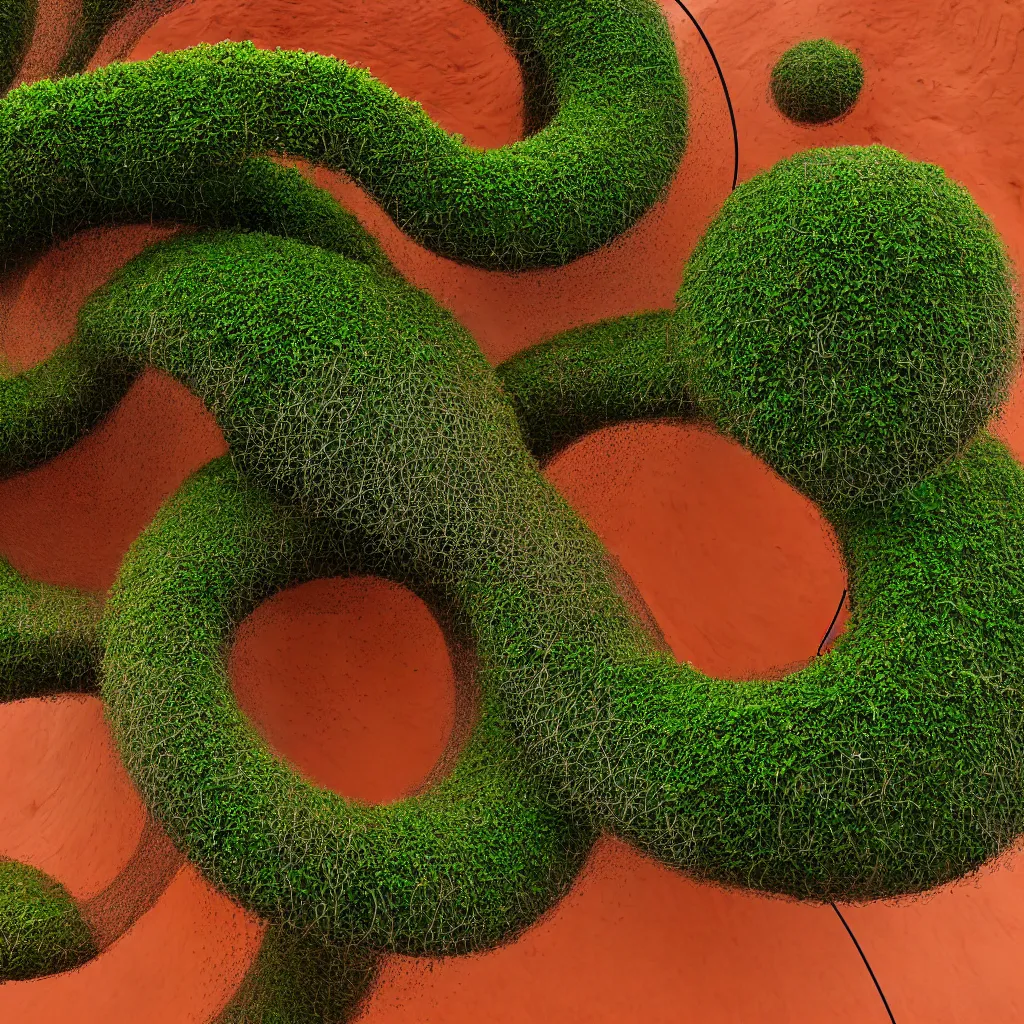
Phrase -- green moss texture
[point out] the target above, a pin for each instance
(311, 363)
(596, 376)
(41, 931)
(49, 640)
(606, 155)
(849, 317)
(817, 81)
(297, 980)
(17, 18)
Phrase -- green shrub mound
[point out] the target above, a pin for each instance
(602, 160)
(48, 639)
(849, 317)
(45, 410)
(364, 408)
(817, 81)
(41, 930)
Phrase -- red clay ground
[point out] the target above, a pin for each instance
(350, 680)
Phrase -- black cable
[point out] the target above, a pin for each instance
(842, 599)
(728, 98)
(849, 931)
(832, 623)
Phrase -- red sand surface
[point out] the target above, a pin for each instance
(350, 680)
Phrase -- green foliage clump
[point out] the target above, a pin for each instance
(606, 155)
(460, 867)
(849, 317)
(48, 636)
(368, 435)
(817, 81)
(45, 410)
(41, 930)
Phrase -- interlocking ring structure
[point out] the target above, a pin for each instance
(849, 317)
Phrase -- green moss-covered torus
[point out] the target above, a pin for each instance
(817, 81)
(463, 866)
(367, 434)
(850, 317)
(17, 18)
(362, 401)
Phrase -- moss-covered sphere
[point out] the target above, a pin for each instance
(817, 81)
(850, 317)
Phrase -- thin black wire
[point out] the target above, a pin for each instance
(849, 930)
(842, 601)
(728, 98)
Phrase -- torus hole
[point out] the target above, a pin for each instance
(739, 570)
(351, 682)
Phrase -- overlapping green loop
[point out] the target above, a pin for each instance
(368, 435)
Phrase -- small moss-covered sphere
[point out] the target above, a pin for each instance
(850, 317)
(817, 81)
(41, 930)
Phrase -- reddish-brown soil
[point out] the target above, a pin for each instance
(350, 680)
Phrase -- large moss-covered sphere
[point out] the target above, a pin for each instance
(817, 81)
(850, 317)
